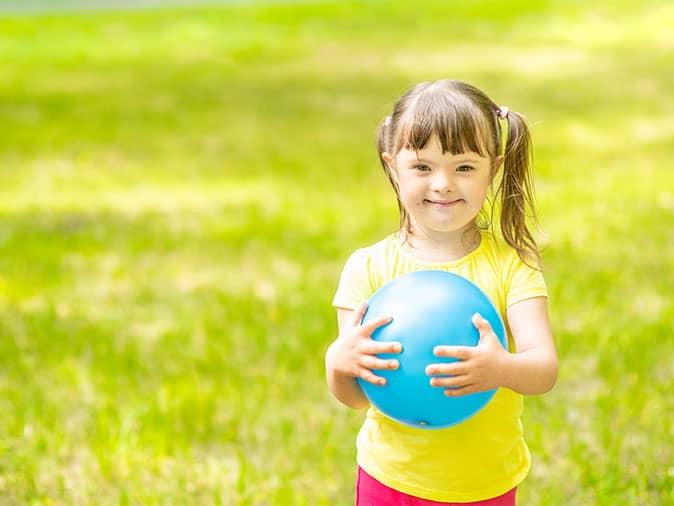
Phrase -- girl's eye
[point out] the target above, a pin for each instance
(422, 168)
(467, 168)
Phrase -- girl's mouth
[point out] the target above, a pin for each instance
(443, 203)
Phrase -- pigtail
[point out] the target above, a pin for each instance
(385, 143)
(517, 190)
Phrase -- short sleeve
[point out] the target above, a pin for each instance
(354, 284)
(523, 282)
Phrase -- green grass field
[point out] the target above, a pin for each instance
(180, 188)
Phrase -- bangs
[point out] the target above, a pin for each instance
(458, 123)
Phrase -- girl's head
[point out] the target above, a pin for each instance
(441, 150)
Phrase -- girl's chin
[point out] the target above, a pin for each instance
(441, 228)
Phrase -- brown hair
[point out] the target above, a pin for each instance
(465, 119)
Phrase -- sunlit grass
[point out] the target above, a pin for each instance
(179, 190)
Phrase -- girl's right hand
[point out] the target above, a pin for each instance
(353, 352)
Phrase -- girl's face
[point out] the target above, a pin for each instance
(442, 192)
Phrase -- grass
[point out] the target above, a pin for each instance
(179, 191)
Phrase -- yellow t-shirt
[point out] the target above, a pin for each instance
(482, 457)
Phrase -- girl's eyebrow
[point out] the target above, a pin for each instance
(460, 160)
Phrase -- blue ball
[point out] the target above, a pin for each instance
(429, 308)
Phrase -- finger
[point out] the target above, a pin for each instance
(481, 322)
(460, 352)
(372, 362)
(358, 314)
(371, 326)
(367, 375)
(454, 381)
(378, 347)
(457, 392)
(455, 369)
(483, 326)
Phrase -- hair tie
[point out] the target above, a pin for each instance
(387, 121)
(502, 111)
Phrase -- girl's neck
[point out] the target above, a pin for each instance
(441, 247)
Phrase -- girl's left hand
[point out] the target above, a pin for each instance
(479, 367)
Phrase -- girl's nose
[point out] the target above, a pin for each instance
(441, 183)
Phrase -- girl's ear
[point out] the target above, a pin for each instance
(496, 165)
(497, 162)
(386, 156)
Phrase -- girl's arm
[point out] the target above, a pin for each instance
(533, 368)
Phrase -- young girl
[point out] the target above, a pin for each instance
(441, 149)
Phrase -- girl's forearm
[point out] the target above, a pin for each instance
(531, 372)
(347, 391)
(344, 388)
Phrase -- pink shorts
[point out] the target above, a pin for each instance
(370, 492)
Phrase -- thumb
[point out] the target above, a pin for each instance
(483, 327)
(358, 314)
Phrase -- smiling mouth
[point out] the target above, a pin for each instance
(443, 203)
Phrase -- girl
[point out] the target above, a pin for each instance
(441, 150)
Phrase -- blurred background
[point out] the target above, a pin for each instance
(181, 184)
